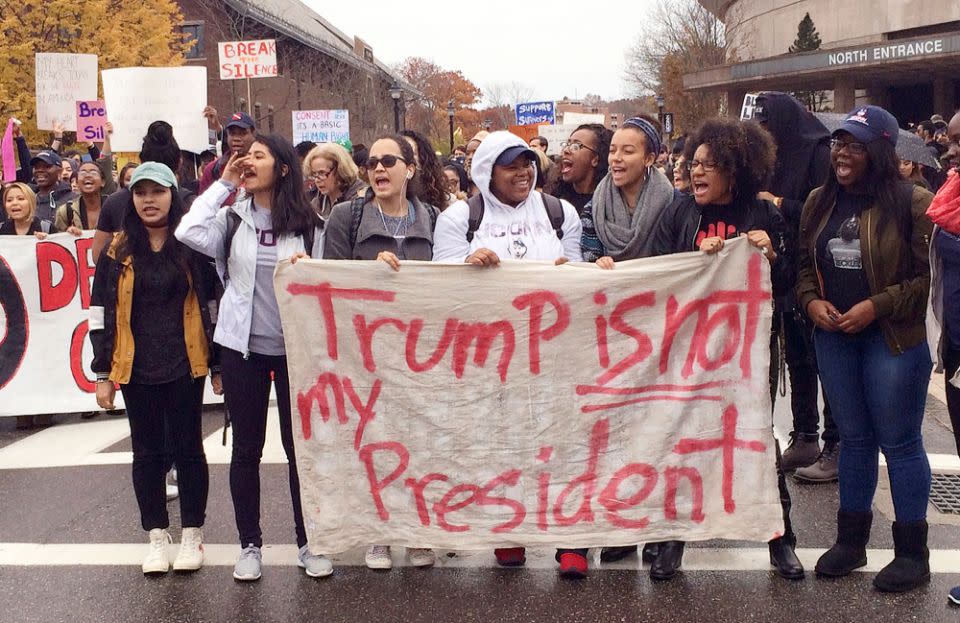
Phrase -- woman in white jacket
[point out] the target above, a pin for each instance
(272, 220)
(507, 220)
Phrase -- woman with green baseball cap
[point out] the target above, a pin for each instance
(151, 329)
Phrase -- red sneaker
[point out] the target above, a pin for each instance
(510, 556)
(573, 566)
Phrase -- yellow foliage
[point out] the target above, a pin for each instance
(122, 33)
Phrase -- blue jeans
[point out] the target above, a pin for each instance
(878, 399)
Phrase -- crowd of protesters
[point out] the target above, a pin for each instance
(864, 258)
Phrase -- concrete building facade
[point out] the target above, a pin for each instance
(900, 54)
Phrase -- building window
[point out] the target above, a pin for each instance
(193, 32)
(368, 55)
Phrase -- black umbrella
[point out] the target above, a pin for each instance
(909, 145)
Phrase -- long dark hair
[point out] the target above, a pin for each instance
(291, 212)
(137, 241)
(432, 188)
(557, 187)
(881, 182)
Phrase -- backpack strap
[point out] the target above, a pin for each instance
(308, 238)
(555, 212)
(70, 215)
(233, 224)
(475, 204)
(356, 214)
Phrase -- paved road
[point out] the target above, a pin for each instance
(70, 550)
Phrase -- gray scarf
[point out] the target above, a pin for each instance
(627, 236)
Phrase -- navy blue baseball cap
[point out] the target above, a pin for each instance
(50, 157)
(871, 123)
(240, 120)
(508, 155)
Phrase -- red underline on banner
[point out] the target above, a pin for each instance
(627, 391)
(627, 403)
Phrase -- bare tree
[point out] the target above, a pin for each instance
(504, 96)
(680, 37)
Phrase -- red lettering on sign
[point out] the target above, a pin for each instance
(587, 481)
(611, 500)
(444, 506)
(76, 360)
(620, 324)
(417, 487)
(377, 485)
(365, 335)
(413, 337)
(484, 334)
(86, 268)
(54, 296)
(727, 443)
(673, 475)
(537, 302)
(511, 477)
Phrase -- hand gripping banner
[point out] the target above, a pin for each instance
(453, 406)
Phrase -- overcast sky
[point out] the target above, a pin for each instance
(570, 49)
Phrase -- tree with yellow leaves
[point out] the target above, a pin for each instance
(121, 33)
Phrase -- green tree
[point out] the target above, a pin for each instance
(122, 34)
(808, 40)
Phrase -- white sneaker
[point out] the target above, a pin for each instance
(378, 557)
(314, 565)
(190, 556)
(157, 560)
(421, 556)
(173, 489)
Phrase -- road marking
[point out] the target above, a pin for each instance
(223, 555)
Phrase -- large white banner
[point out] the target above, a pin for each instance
(137, 96)
(458, 407)
(62, 80)
(45, 353)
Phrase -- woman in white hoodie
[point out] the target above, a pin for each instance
(507, 220)
(270, 220)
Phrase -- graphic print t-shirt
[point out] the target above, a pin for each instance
(839, 256)
(266, 333)
(721, 221)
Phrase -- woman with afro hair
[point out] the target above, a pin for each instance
(729, 163)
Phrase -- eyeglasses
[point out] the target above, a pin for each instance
(388, 161)
(708, 167)
(575, 146)
(88, 173)
(857, 149)
(319, 176)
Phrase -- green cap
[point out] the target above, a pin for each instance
(155, 172)
(346, 144)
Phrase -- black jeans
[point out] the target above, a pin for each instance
(802, 366)
(246, 388)
(165, 425)
(951, 362)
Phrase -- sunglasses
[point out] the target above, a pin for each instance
(388, 161)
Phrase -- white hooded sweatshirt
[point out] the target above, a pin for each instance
(513, 233)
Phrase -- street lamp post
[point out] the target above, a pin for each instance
(450, 111)
(396, 93)
(660, 102)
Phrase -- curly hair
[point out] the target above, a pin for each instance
(742, 149)
(432, 182)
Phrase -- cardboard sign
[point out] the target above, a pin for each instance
(455, 407)
(61, 81)
(134, 101)
(45, 354)
(91, 119)
(248, 59)
(321, 126)
(555, 135)
(533, 113)
(580, 118)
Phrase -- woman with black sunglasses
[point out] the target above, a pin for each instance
(388, 224)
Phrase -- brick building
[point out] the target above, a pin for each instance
(319, 66)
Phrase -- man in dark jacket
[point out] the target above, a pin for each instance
(803, 163)
(51, 192)
(241, 132)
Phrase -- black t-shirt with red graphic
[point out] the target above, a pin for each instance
(723, 221)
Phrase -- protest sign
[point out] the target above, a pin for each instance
(61, 81)
(455, 407)
(555, 135)
(91, 119)
(533, 113)
(45, 353)
(248, 59)
(526, 132)
(321, 126)
(134, 101)
(579, 118)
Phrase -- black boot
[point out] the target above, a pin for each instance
(668, 560)
(911, 563)
(784, 558)
(850, 550)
